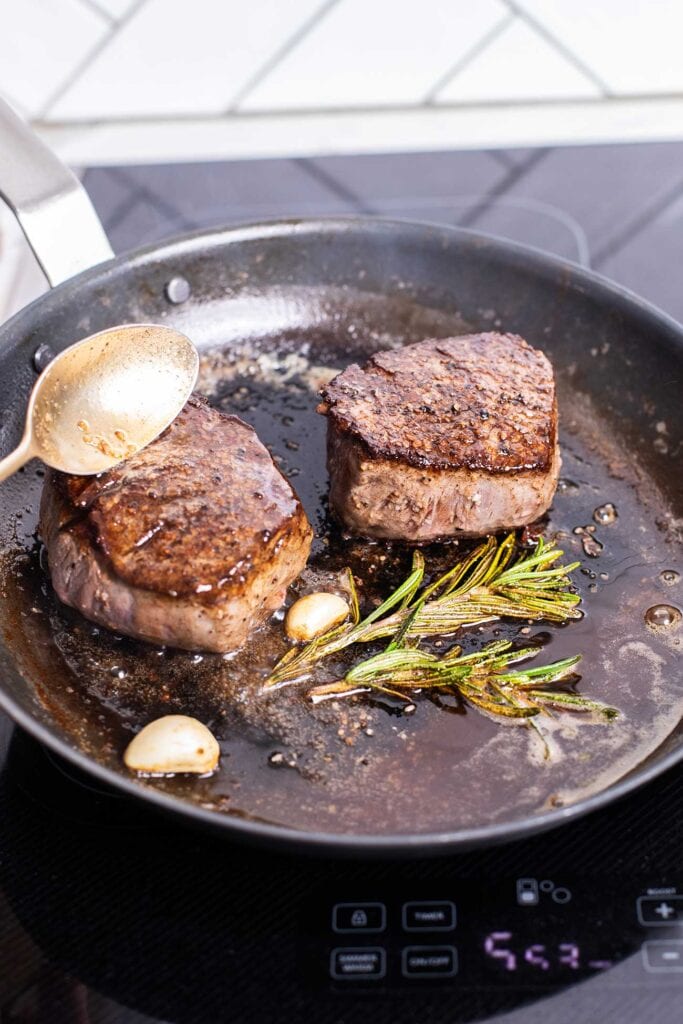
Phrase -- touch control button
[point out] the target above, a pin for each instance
(660, 910)
(663, 956)
(357, 963)
(359, 917)
(429, 962)
(430, 916)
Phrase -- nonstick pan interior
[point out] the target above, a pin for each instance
(275, 311)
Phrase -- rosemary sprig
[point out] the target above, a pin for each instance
(484, 679)
(487, 584)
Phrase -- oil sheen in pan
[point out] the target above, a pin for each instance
(360, 766)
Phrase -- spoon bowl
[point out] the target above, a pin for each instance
(105, 398)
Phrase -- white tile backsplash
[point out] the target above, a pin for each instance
(634, 46)
(174, 57)
(42, 42)
(518, 64)
(364, 54)
(158, 79)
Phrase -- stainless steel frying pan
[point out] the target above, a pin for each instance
(274, 308)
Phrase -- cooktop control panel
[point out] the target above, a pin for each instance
(519, 933)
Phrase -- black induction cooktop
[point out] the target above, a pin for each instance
(112, 915)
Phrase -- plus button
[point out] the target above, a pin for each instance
(661, 909)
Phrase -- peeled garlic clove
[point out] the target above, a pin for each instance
(314, 614)
(174, 743)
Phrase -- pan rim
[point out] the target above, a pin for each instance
(268, 228)
(325, 843)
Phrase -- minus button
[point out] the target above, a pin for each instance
(661, 956)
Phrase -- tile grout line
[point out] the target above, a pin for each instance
(93, 6)
(379, 204)
(119, 213)
(637, 224)
(122, 208)
(340, 191)
(279, 55)
(84, 64)
(501, 157)
(143, 193)
(467, 58)
(467, 202)
(510, 179)
(540, 29)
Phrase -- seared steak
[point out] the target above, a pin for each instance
(191, 542)
(443, 438)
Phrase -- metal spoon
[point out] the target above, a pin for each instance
(105, 398)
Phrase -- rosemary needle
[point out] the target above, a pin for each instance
(485, 679)
(487, 584)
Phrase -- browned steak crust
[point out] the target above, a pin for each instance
(444, 437)
(190, 542)
(481, 401)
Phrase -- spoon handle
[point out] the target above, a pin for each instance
(16, 459)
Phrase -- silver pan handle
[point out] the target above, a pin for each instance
(51, 205)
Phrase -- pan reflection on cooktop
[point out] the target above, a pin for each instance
(108, 912)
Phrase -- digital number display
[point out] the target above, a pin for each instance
(514, 954)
